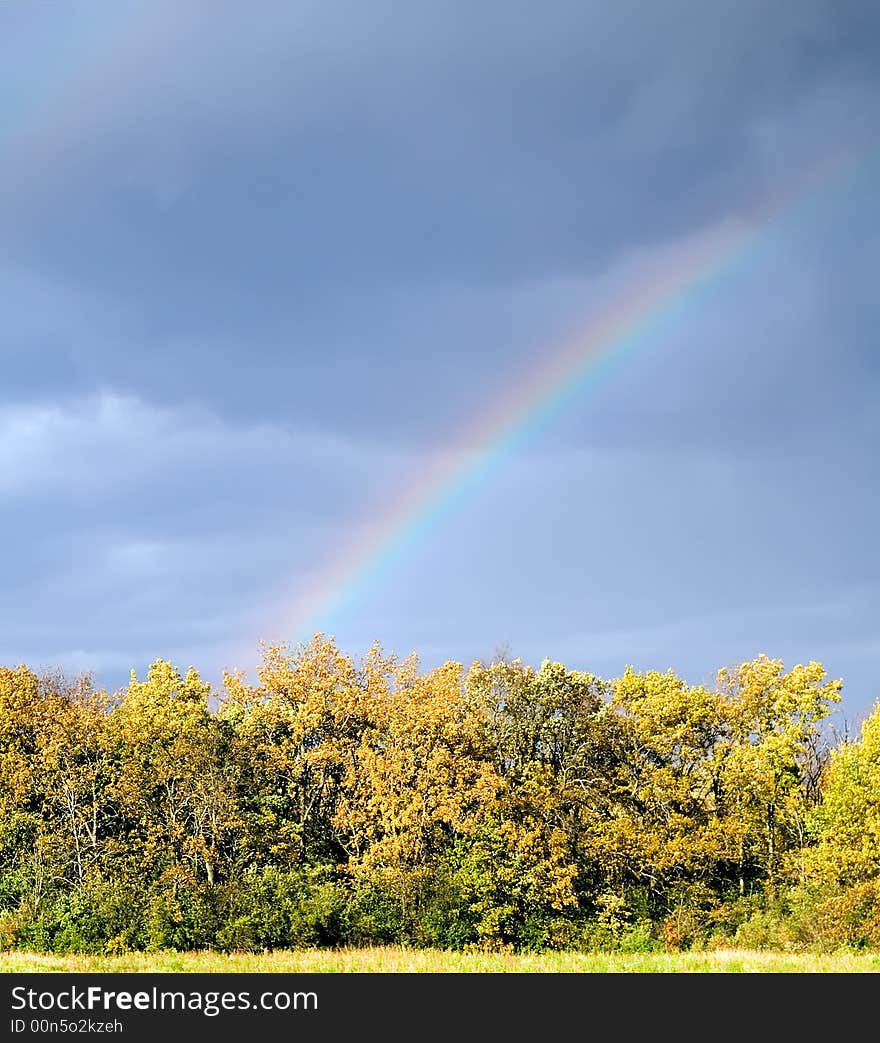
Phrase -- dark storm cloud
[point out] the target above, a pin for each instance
(259, 194)
(255, 259)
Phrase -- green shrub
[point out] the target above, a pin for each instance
(275, 908)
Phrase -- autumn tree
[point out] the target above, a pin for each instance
(416, 777)
(773, 719)
(547, 735)
(55, 813)
(294, 737)
(335, 801)
(172, 781)
(22, 849)
(845, 862)
(666, 827)
(74, 776)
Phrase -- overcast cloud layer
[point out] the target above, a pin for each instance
(257, 272)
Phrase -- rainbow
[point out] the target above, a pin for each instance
(636, 314)
(113, 53)
(108, 54)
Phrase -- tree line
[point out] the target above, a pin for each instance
(343, 802)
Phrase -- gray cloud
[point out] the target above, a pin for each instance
(255, 268)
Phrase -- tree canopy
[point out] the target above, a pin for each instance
(331, 801)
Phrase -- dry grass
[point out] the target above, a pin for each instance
(397, 960)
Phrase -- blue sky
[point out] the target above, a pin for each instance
(257, 272)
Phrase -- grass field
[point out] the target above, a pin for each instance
(393, 960)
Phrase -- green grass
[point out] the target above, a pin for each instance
(396, 960)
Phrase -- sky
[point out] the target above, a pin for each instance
(262, 266)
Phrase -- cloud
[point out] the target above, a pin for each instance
(319, 153)
(658, 556)
(361, 220)
(139, 524)
(257, 268)
(109, 442)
